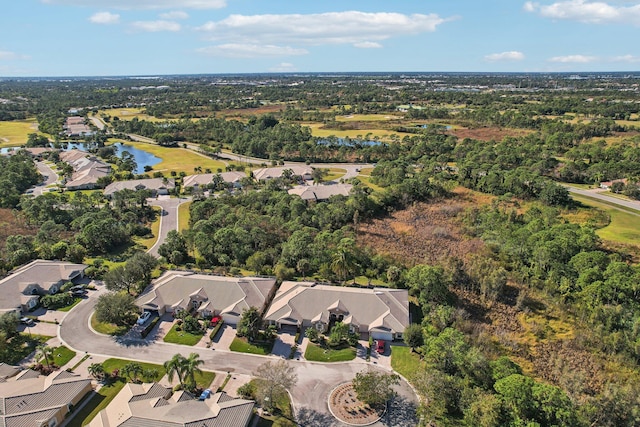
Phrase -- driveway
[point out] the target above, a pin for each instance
(50, 177)
(309, 396)
(283, 344)
(224, 338)
(168, 219)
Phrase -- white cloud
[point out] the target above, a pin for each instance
(155, 26)
(6, 55)
(144, 4)
(589, 12)
(512, 55)
(104, 18)
(283, 67)
(238, 50)
(579, 59)
(368, 45)
(174, 14)
(626, 58)
(349, 27)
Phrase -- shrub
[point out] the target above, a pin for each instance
(56, 301)
(247, 391)
(216, 328)
(149, 327)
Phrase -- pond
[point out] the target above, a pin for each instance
(142, 157)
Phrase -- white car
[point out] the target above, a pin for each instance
(144, 317)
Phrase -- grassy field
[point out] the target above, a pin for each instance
(128, 114)
(62, 355)
(404, 361)
(334, 173)
(15, 133)
(107, 328)
(183, 216)
(155, 230)
(182, 337)
(315, 353)
(178, 159)
(242, 346)
(624, 226)
(367, 118)
(383, 134)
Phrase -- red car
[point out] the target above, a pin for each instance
(380, 346)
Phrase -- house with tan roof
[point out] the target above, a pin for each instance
(321, 192)
(157, 186)
(205, 294)
(379, 313)
(152, 405)
(30, 399)
(87, 169)
(201, 180)
(264, 174)
(20, 291)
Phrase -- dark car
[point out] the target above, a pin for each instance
(79, 293)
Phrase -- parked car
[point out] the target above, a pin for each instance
(205, 394)
(79, 293)
(380, 346)
(27, 321)
(77, 288)
(144, 317)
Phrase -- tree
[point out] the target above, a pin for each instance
(375, 388)
(175, 367)
(338, 334)
(191, 366)
(174, 248)
(303, 266)
(428, 283)
(413, 336)
(132, 370)
(96, 370)
(135, 273)
(8, 323)
(312, 334)
(44, 351)
(275, 379)
(118, 308)
(343, 260)
(250, 323)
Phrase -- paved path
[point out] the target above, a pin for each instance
(168, 218)
(596, 193)
(315, 380)
(51, 177)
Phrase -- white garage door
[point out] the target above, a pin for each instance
(380, 335)
(231, 319)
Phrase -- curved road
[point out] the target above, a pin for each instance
(315, 380)
(168, 218)
(50, 177)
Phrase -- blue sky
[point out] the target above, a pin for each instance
(154, 37)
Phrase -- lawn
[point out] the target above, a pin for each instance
(128, 114)
(316, 353)
(367, 118)
(178, 159)
(16, 132)
(107, 328)
(242, 346)
(155, 230)
(181, 337)
(112, 364)
(334, 173)
(184, 214)
(97, 402)
(383, 134)
(21, 346)
(62, 355)
(404, 361)
(75, 302)
(624, 226)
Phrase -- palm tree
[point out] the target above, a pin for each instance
(175, 366)
(132, 370)
(96, 370)
(342, 263)
(44, 351)
(191, 366)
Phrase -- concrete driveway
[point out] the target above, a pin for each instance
(224, 338)
(284, 342)
(168, 219)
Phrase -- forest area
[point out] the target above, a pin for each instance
(522, 313)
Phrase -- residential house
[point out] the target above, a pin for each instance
(232, 178)
(30, 399)
(21, 290)
(151, 404)
(264, 174)
(320, 192)
(158, 186)
(207, 295)
(606, 185)
(75, 126)
(379, 313)
(87, 169)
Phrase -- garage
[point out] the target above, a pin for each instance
(231, 318)
(378, 334)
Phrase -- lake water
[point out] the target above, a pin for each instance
(142, 157)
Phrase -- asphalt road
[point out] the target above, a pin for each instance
(168, 219)
(309, 396)
(595, 193)
(50, 178)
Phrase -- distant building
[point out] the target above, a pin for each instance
(30, 399)
(20, 291)
(379, 313)
(201, 180)
(264, 174)
(606, 185)
(75, 126)
(206, 294)
(320, 192)
(151, 404)
(157, 186)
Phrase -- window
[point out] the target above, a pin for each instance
(53, 422)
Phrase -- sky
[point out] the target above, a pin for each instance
(160, 37)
